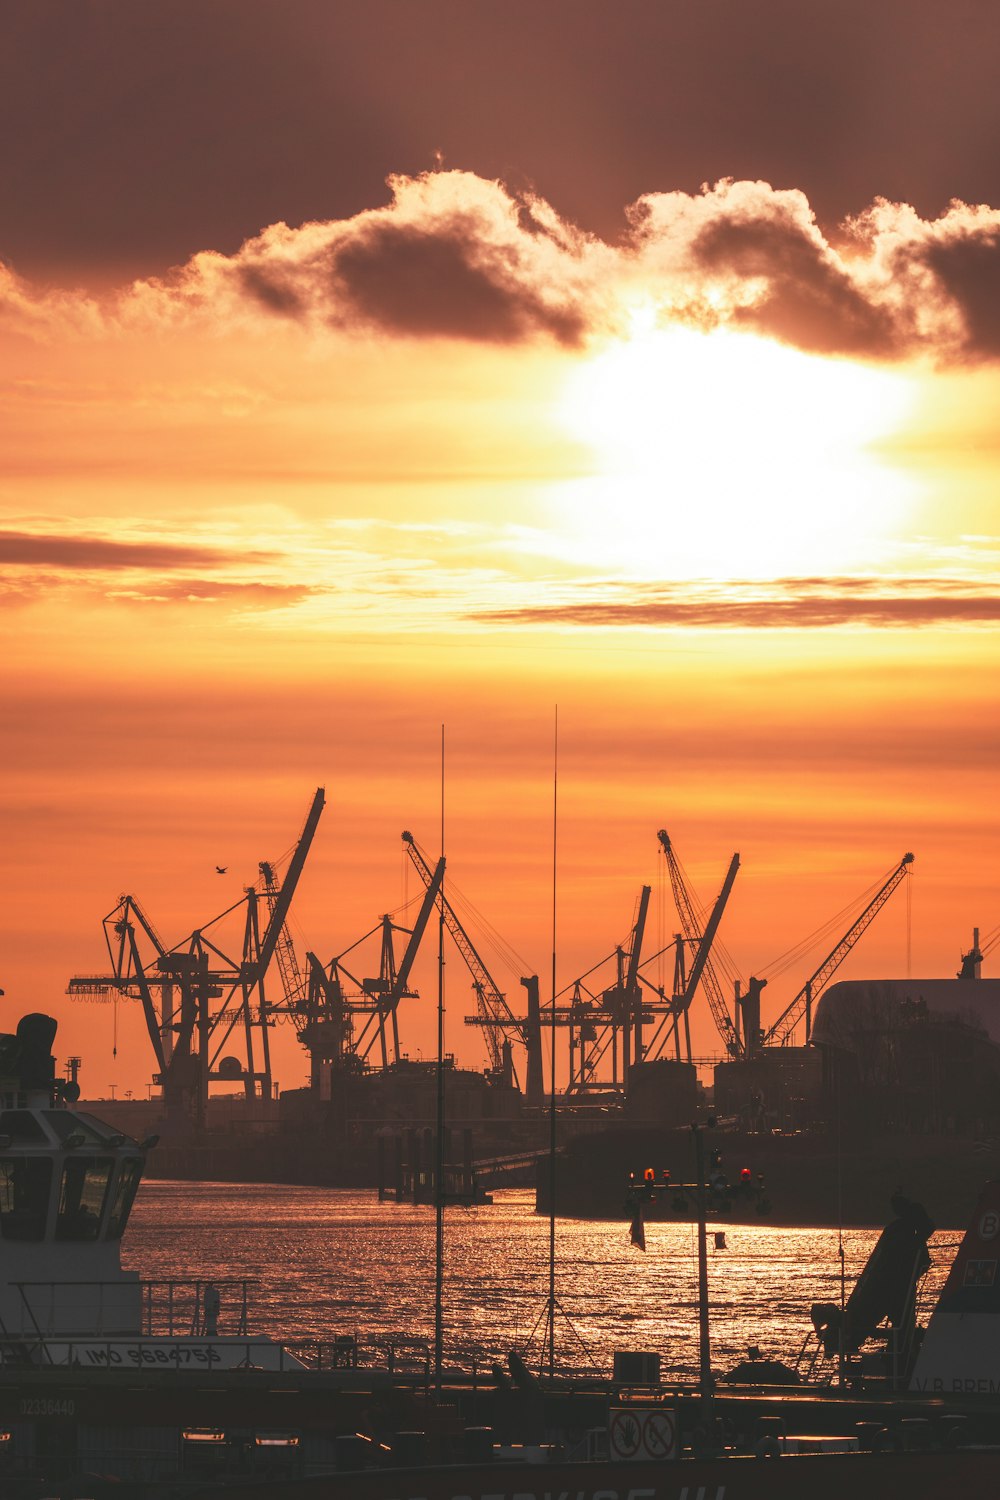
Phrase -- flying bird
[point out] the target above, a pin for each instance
(221, 869)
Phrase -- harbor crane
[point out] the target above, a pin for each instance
(692, 934)
(493, 1014)
(686, 981)
(187, 1029)
(612, 1018)
(376, 999)
(323, 1011)
(800, 1008)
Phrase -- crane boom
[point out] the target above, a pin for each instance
(693, 934)
(705, 946)
(793, 1013)
(495, 1014)
(293, 981)
(279, 911)
(406, 963)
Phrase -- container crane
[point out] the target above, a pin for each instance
(614, 1017)
(692, 933)
(500, 1025)
(686, 984)
(801, 1006)
(387, 992)
(188, 1041)
(324, 1011)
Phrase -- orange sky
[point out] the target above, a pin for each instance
(720, 484)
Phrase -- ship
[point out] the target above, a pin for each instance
(899, 1089)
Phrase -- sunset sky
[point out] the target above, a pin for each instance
(370, 367)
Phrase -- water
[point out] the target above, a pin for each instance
(331, 1261)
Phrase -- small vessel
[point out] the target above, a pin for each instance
(110, 1385)
(67, 1185)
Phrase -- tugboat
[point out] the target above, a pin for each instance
(104, 1374)
(67, 1185)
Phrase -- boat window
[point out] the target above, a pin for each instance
(25, 1182)
(102, 1130)
(21, 1125)
(64, 1124)
(81, 1199)
(121, 1203)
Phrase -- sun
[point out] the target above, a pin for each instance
(725, 455)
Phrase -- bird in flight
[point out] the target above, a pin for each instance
(221, 869)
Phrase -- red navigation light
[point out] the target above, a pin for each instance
(666, 1177)
(745, 1174)
(650, 1174)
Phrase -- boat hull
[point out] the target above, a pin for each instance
(918, 1476)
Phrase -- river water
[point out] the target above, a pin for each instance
(329, 1262)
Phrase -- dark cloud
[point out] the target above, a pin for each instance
(271, 291)
(794, 605)
(90, 554)
(810, 299)
(968, 270)
(446, 282)
(453, 256)
(456, 256)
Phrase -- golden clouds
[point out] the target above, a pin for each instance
(357, 424)
(453, 256)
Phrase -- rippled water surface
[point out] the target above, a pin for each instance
(332, 1262)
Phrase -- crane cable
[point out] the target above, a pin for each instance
(990, 941)
(793, 955)
(720, 958)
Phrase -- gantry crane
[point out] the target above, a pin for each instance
(190, 1031)
(801, 1006)
(693, 934)
(324, 1011)
(611, 1018)
(493, 1014)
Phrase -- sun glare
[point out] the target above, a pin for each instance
(727, 455)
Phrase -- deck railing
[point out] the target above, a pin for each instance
(170, 1308)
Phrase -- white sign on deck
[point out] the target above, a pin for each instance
(642, 1433)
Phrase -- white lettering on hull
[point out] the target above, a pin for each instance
(703, 1492)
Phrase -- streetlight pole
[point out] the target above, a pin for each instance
(705, 1382)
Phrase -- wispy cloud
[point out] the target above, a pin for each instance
(217, 591)
(788, 604)
(91, 553)
(36, 565)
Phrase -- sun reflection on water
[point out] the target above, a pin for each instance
(333, 1262)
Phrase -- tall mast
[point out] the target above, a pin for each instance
(439, 1146)
(552, 1064)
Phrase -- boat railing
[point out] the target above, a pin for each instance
(404, 1354)
(166, 1308)
(338, 1353)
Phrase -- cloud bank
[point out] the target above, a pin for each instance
(454, 256)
